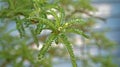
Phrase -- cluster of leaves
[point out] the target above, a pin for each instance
(33, 15)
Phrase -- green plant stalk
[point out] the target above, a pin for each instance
(69, 48)
(46, 46)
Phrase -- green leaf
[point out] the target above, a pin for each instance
(39, 28)
(77, 31)
(69, 48)
(44, 21)
(62, 15)
(73, 21)
(76, 20)
(34, 35)
(48, 23)
(11, 4)
(46, 46)
(52, 12)
(20, 27)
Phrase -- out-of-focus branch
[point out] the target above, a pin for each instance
(85, 12)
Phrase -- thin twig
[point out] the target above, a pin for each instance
(85, 12)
